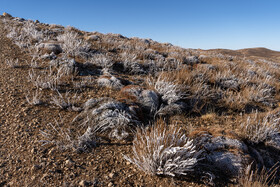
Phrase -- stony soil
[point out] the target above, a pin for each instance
(25, 162)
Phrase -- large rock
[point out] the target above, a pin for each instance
(50, 47)
(93, 38)
(148, 99)
(191, 60)
(225, 153)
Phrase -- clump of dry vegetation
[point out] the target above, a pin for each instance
(160, 150)
(257, 178)
(120, 88)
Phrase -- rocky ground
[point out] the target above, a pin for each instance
(26, 161)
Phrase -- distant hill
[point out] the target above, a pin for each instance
(260, 52)
(250, 52)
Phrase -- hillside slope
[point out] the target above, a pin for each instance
(251, 52)
(92, 109)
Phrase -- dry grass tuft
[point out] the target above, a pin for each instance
(258, 130)
(262, 178)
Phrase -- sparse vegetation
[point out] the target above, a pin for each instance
(220, 109)
(260, 130)
(257, 178)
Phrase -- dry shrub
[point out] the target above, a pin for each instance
(159, 150)
(65, 140)
(72, 44)
(262, 178)
(258, 129)
(169, 91)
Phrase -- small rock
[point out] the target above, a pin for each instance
(93, 37)
(51, 152)
(110, 184)
(10, 183)
(7, 15)
(50, 47)
(83, 183)
(36, 167)
(51, 56)
(44, 176)
(128, 163)
(33, 151)
(65, 184)
(69, 163)
(111, 175)
(43, 164)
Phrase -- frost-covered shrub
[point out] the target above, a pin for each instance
(171, 96)
(101, 60)
(162, 151)
(13, 63)
(46, 80)
(260, 130)
(64, 141)
(227, 81)
(130, 64)
(263, 93)
(110, 81)
(169, 92)
(35, 99)
(113, 118)
(25, 35)
(85, 142)
(66, 101)
(72, 45)
(108, 117)
(168, 64)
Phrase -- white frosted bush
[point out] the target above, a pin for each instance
(162, 151)
(168, 91)
(72, 45)
(261, 130)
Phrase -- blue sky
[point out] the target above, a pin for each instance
(205, 24)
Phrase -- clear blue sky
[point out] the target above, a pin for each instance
(204, 24)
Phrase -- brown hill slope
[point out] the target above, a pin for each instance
(260, 52)
(250, 52)
(98, 90)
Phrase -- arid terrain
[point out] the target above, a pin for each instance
(90, 109)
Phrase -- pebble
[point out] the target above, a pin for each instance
(68, 163)
(11, 183)
(51, 152)
(111, 175)
(110, 184)
(84, 183)
(36, 167)
(44, 176)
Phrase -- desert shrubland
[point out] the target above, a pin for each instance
(132, 90)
